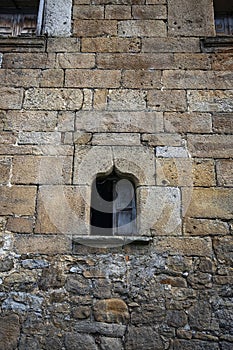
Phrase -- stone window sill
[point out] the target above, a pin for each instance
(21, 43)
(217, 44)
(110, 241)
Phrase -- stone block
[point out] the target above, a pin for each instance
(223, 123)
(95, 28)
(167, 100)
(137, 337)
(17, 200)
(30, 120)
(51, 78)
(75, 341)
(205, 227)
(13, 98)
(135, 61)
(210, 101)
(75, 60)
(63, 44)
(28, 60)
(142, 28)
(223, 61)
(111, 311)
(111, 343)
(42, 244)
(111, 44)
(171, 152)
(193, 246)
(119, 121)
(145, 12)
(20, 225)
(5, 168)
(93, 78)
(210, 146)
(58, 18)
(117, 12)
(126, 100)
(53, 99)
(223, 249)
(65, 121)
(185, 17)
(224, 169)
(211, 203)
(141, 79)
(192, 60)
(162, 139)
(102, 328)
(170, 45)
(111, 139)
(39, 138)
(43, 170)
(63, 209)
(9, 331)
(88, 12)
(159, 210)
(188, 122)
(100, 99)
(19, 77)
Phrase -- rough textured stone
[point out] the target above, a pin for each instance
(111, 311)
(75, 341)
(174, 100)
(58, 18)
(224, 172)
(111, 44)
(75, 60)
(95, 28)
(145, 28)
(126, 100)
(205, 227)
(111, 139)
(20, 225)
(30, 121)
(210, 101)
(18, 200)
(217, 146)
(9, 332)
(223, 123)
(170, 45)
(93, 78)
(13, 98)
(223, 249)
(138, 338)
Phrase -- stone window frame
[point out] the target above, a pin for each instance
(223, 16)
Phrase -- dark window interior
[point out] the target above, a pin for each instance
(223, 12)
(19, 17)
(113, 208)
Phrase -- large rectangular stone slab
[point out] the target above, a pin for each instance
(142, 28)
(188, 122)
(167, 100)
(11, 98)
(210, 101)
(210, 146)
(30, 120)
(17, 200)
(170, 45)
(93, 78)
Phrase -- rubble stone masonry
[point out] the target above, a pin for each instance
(134, 85)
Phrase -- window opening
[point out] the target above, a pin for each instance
(223, 13)
(113, 206)
(21, 17)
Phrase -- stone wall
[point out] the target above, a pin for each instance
(134, 86)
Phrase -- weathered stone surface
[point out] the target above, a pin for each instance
(5, 168)
(138, 338)
(224, 169)
(75, 60)
(216, 146)
(111, 139)
(52, 277)
(112, 330)
(111, 44)
(186, 17)
(222, 61)
(78, 285)
(205, 227)
(126, 100)
(52, 78)
(176, 318)
(180, 344)
(142, 28)
(28, 60)
(20, 225)
(173, 100)
(93, 78)
(95, 28)
(171, 152)
(13, 98)
(149, 12)
(53, 99)
(39, 138)
(111, 343)
(75, 341)
(58, 18)
(162, 139)
(211, 203)
(192, 61)
(63, 44)
(19, 77)
(141, 79)
(170, 45)
(6, 264)
(18, 200)
(223, 123)
(9, 332)
(117, 12)
(210, 101)
(119, 121)
(81, 312)
(111, 311)
(223, 249)
(41, 244)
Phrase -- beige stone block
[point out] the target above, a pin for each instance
(17, 200)
(65, 121)
(30, 120)
(135, 61)
(167, 100)
(210, 146)
(63, 209)
(82, 138)
(75, 60)
(210, 101)
(223, 123)
(211, 203)
(128, 100)
(88, 12)
(223, 61)
(158, 211)
(93, 78)
(90, 162)
(119, 121)
(63, 44)
(53, 99)
(100, 99)
(117, 12)
(111, 44)
(19, 77)
(121, 139)
(192, 246)
(187, 18)
(205, 227)
(52, 78)
(11, 98)
(145, 12)
(87, 99)
(28, 60)
(141, 79)
(142, 28)
(42, 244)
(192, 60)
(162, 139)
(20, 225)
(204, 172)
(41, 170)
(137, 162)
(8, 138)
(170, 45)
(5, 170)
(224, 169)
(94, 28)
(184, 79)
(188, 122)
(39, 138)
(111, 311)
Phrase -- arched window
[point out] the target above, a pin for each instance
(113, 206)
